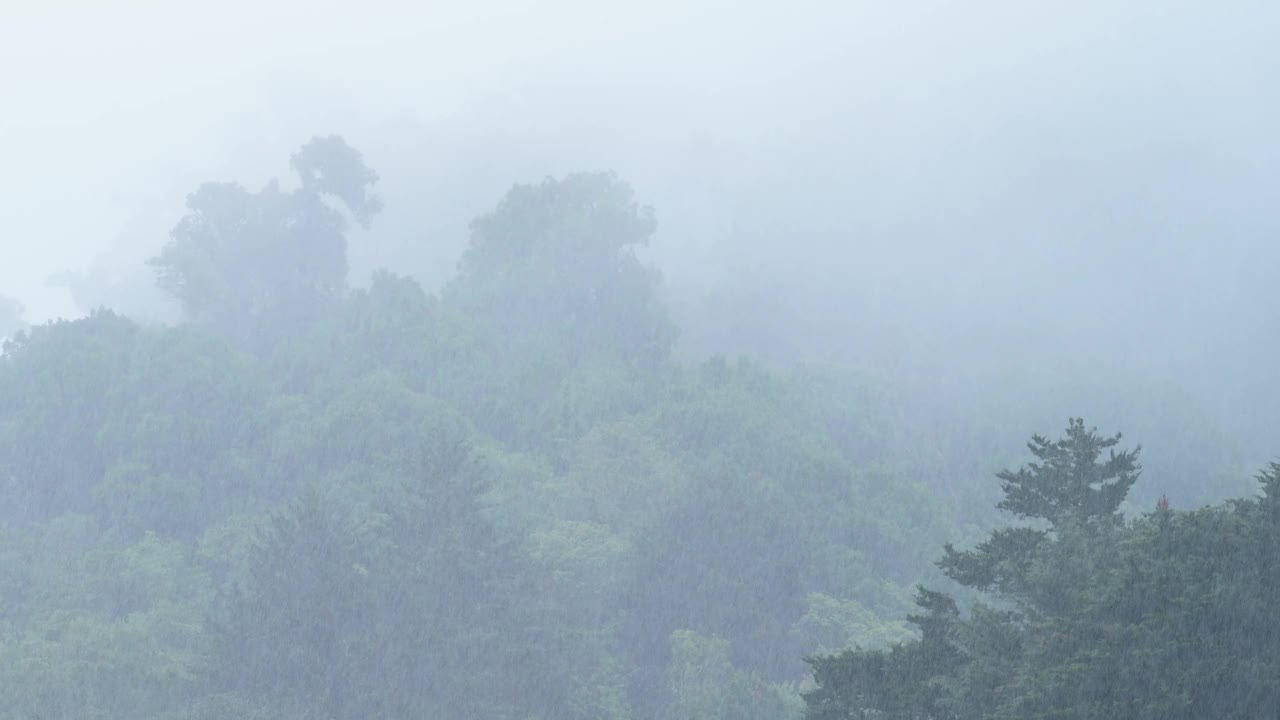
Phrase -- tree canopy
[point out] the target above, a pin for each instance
(11, 312)
(511, 499)
(256, 265)
(1160, 616)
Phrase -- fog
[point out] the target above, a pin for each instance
(858, 181)
(932, 228)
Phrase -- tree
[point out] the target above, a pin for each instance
(303, 626)
(383, 590)
(1068, 481)
(897, 683)
(11, 312)
(253, 266)
(56, 385)
(1066, 485)
(706, 686)
(993, 663)
(554, 266)
(328, 166)
(120, 635)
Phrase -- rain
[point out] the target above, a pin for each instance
(638, 361)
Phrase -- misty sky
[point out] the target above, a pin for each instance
(955, 161)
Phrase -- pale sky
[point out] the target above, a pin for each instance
(114, 110)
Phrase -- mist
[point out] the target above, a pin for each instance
(990, 184)
(1002, 214)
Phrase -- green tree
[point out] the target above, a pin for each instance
(11, 312)
(1040, 577)
(901, 682)
(1067, 481)
(1067, 485)
(255, 266)
(555, 263)
(551, 284)
(384, 591)
(100, 628)
(56, 386)
(706, 686)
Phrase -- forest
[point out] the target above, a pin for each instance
(318, 496)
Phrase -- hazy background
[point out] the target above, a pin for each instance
(1066, 195)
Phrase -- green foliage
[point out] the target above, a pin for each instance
(105, 629)
(1165, 616)
(1068, 482)
(553, 271)
(1066, 487)
(328, 166)
(894, 683)
(510, 502)
(11, 312)
(618, 475)
(54, 389)
(706, 686)
(830, 625)
(256, 266)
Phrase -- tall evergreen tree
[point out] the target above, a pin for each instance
(994, 664)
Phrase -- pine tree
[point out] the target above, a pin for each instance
(1024, 656)
(1065, 486)
(1068, 482)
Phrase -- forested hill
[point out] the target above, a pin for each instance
(503, 501)
(506, 499)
